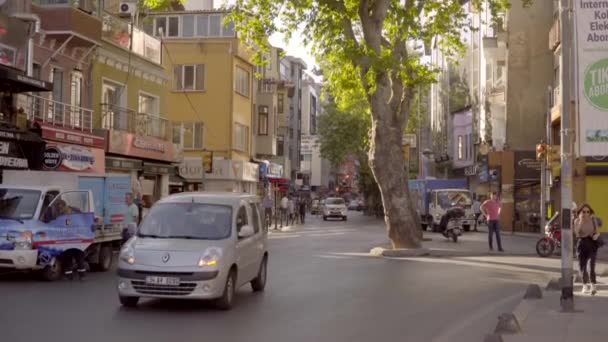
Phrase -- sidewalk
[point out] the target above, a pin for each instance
(545, 322)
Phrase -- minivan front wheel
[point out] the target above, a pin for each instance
(259, 283)
(226, 301)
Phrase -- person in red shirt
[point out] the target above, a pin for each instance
(491, 210)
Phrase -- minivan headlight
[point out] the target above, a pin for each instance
(127, 254)
(211, 257)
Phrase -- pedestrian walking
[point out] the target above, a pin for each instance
(586, 230)
(291, 206)
(268, 205)
(302, 208)
(284, 209)
(477, 212)
(131, 218)
(491, 210)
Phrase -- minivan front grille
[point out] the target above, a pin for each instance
(163, 290)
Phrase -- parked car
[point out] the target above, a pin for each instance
(334, 207)
(195, 246)
(353, 205)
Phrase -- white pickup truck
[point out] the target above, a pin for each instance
(39, 223)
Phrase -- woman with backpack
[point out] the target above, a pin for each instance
(586, 228)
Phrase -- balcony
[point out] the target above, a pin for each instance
(43, 109)
(118, 31)
(70, 20)
(127, 120)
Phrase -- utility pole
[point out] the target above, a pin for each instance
(544, 166)
(567, 132)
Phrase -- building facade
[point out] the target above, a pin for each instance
(211, 97)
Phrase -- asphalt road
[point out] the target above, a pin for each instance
(317, 291)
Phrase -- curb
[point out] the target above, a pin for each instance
(510, 323)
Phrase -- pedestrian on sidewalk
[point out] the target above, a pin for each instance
(586, 229)
(268, 205)
(302, 208)
(284, 209)
(476, 211)
(292, 210)
(491, 210)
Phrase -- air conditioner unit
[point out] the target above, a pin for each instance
(126, 8)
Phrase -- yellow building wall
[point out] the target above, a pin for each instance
(134, 84)
(213, 105)
(242, 108)
(596, 197)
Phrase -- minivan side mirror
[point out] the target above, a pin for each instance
(246, 231)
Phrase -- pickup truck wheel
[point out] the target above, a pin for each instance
(105, 259)
(52, 272)
(129, 302)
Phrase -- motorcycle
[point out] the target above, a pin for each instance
(547, 244)
(450, 225)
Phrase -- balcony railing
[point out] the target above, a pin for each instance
(123, 119)
(60, 114)
(118, 32)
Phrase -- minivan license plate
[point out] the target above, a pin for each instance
(170, 281)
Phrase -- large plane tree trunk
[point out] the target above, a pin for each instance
(388, 166)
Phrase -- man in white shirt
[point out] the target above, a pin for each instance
(284, 208)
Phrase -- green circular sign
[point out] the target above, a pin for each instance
(596, 84)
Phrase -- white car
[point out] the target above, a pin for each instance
(334, 207)
(195, 246)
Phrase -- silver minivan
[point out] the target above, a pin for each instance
(195, 246)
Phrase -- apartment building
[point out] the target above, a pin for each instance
(211, 97)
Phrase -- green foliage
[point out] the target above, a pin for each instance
(160, 4)
(343, 131)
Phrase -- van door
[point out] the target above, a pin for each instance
(260, 235)
(69, 222)
(245, 246)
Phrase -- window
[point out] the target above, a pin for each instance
(170, 29)
(255, 216)
(306, 157)
(148, 104)
(460, 147)
(241, 137)
(242, 82)
(241, 219)
(215, 23)
(76, 99)
(189, 77)
(263, 120)
(188, 26)
(313, 115)
(228, 29)
(280, 146)
(202, 25)
(281, 102)
(188, 134)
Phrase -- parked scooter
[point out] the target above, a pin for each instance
(450, 225)
(547, 244)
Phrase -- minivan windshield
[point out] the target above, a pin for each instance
(187, 221)
(334, 201)
(18, 204)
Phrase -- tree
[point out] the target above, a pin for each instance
(364, 49)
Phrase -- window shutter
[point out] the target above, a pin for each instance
(177, 77)
(200, 77)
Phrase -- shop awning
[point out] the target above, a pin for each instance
(16, 81)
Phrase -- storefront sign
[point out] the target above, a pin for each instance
(238, 170)
(275, 170)
(526, 166)
(471, 170)
(75, 158)
(156, 169)
(72, 137)
(10, 156)
(592, 49)
(52, 158)
(129, 144)
(121, 164)
(191, 169)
